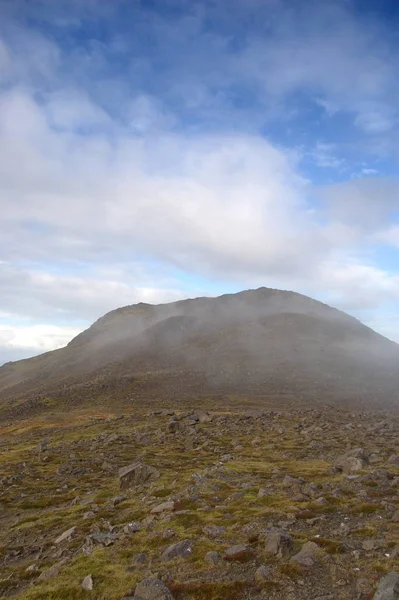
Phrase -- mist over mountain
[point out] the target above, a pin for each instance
(263, 343)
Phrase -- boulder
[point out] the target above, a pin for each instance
(239, 553)
(137, 474)
(214, 531)
(388, 588)
(87, 583)
(53, 571)
(65, 536)
(289, 481)
(262, 574)
(306, 556)
(277, 542)
(131, 527)
(173, 426)
(352, 461)
(213, 558)
(164, 507)
(152, 589)
(179, 550)
(139, 559)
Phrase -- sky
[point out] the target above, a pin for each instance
(159, 149)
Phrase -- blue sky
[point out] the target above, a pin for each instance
(153, 150)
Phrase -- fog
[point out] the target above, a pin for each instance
(258, 342)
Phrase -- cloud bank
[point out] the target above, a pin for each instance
(147, 154)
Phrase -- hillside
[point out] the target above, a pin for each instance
(261, 343)
(203, 450)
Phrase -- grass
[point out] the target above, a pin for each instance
(109, 572)
(80, 438)
(208, 591)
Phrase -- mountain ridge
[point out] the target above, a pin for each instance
(262, 342)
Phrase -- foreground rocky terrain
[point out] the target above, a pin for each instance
(222, 503)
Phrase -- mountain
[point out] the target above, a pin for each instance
(260, 343)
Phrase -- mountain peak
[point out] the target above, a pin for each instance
(256, 342)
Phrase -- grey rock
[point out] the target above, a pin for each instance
(370, 544)
(289, 481)
(388, 588)
(164, 507)
(87, 583)
(307, 555)
(89, 515)
(52, 571)
(105, 539)
(213, 531)
(213, 558)
(137, 474)
(173, 426)
(66, 535)
(131, 527)
(277, 542)
(352, 461)
(118, 499)
(239, 553)
(140, 559)
(152, 589)
(179, 550)
(262, 574)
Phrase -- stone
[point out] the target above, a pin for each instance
(289, 481)
(179, 550)
(105, 539)
(140, 559)
(152, 589)
(394, 459)
(388, 588)
(205, 418)
(277, 542)
(262, 574)
(66, 535)
(87, 583)
(214, 531)
(369, 545)
(239, 553)
(307, 555)
(52, 571)
(263, 492)
(131, 527)
(352, 461)
(164, 507)
(137, 474)
(213, 558)
(173, 426)
(118, 499)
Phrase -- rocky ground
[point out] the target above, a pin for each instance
(295, 504)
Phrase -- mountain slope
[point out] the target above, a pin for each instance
(259, 342)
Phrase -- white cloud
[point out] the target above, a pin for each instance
(40, 338)
(58, 296)
(103, 194)
(231, 206)
(390, 236)
(367, 202)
